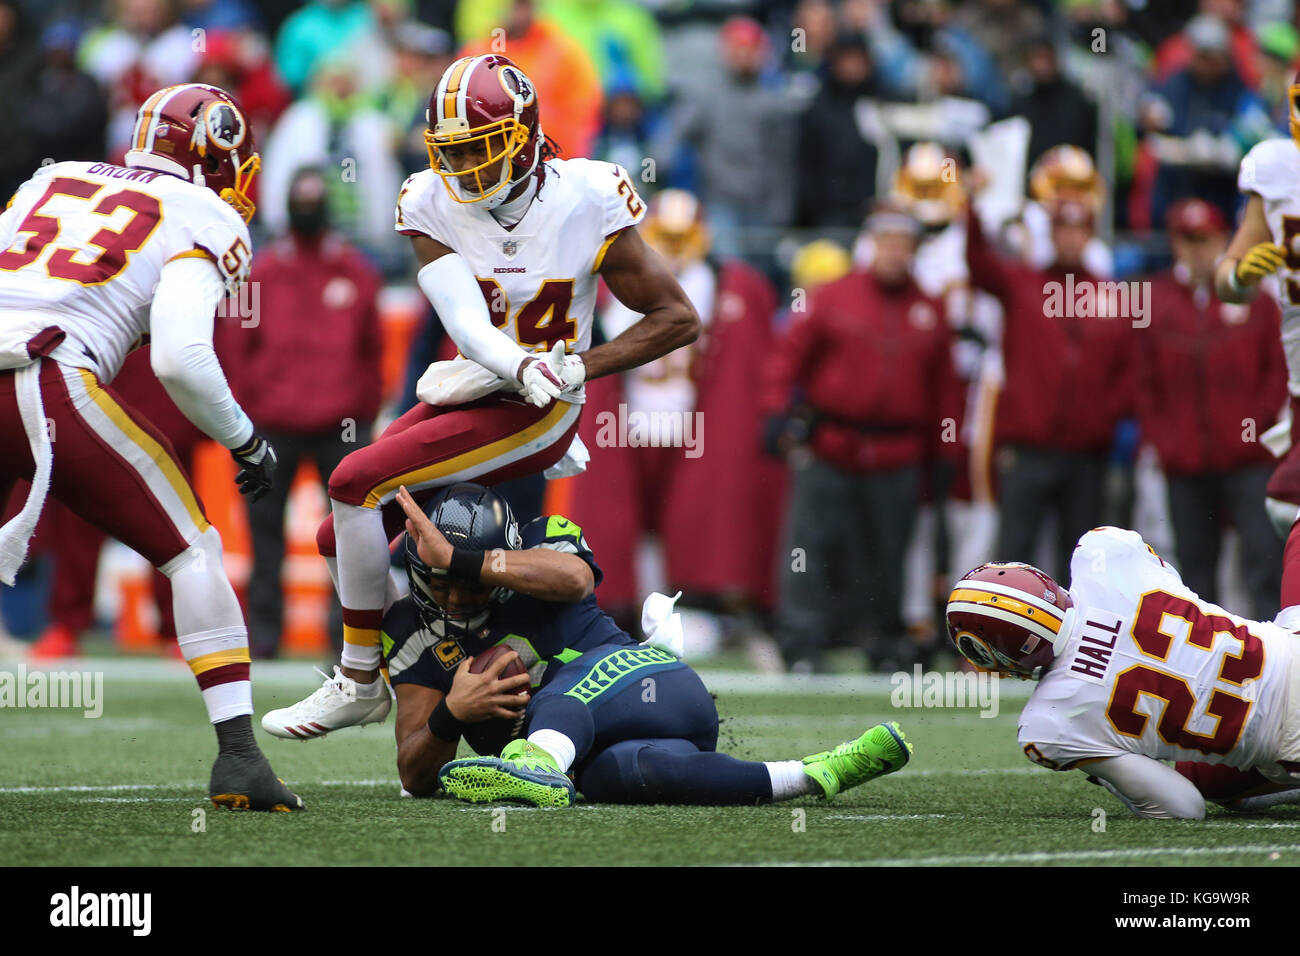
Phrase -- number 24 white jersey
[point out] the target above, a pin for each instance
(539, 278)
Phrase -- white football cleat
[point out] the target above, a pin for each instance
(333, 707)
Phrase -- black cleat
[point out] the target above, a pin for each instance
(247, 782)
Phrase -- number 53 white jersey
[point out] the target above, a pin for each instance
(84, 245)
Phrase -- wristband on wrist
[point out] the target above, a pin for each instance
(1233, 282)
(443, 725)
(465, 564)
(247, 447)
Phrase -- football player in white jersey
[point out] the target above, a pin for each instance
(97, 259)
(929, 186)
(1133, 669)
(1268, 241)
(511, 243)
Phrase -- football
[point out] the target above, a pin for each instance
(488, 737)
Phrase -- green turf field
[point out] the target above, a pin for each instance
(124, 788)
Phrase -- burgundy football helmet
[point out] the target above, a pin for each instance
(199, 133)
(487, 107)
(1008, 618)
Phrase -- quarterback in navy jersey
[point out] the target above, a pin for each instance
(581, 713)
(546, 633)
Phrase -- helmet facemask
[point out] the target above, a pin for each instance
(1293, 100)
(237, 195)
(424, 581)
(502, 140)
(218, 134)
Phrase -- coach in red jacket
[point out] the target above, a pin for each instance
(1212, 379)
(1068, 380)
(308, 371)
(870, 363)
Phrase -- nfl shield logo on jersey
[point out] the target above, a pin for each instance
(509, 247)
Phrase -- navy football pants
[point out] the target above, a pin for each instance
(645, 730)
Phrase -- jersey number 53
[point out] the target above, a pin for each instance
(116, 246)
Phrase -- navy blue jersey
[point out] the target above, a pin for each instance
(542, 632)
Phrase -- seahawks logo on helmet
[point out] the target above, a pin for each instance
(518, 86)
(224, 125)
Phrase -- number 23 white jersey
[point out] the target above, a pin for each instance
(540, 277)
(1149, 668)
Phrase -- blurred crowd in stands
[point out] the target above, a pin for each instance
(885, 398)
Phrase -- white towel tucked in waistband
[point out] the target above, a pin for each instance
(17, 533)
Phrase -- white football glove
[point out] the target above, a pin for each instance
(573, 372)
(541, 383)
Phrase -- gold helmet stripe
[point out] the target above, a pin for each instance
(452, 91)
(1027, 609)
(144, 122)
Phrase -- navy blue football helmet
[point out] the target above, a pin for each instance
(473, 517)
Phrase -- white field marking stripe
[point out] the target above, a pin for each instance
(394, 782)
(139, 460)
(1010, 617)
(114, 787)
(576, 806)
(1042, 604)
(540, 443)
(887, 816)
(140, 799)
(298, 674)
(1011, 858)
(966, 772)
(1234, 825)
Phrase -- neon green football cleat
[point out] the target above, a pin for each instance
(879, 751)
(524, 773)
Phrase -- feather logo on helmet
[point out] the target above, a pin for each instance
(224, 125)
(518, 86)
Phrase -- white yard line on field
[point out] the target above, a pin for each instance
(987, 859)
(300, 674)
(885, 816)
(114, 787)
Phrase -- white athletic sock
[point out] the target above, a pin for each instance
(557, 745)
(789, 780)
(376, 688)
(363, 579)
(210, 627)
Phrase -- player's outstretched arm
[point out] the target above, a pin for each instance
(420, 755)
(1148, 787)
(538, 572)
(1250, 256)
(180, 330)
(642, 281)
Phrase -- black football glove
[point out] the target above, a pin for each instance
(256, 462)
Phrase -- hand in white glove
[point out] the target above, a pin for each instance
(540, 382)
(573, 372)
